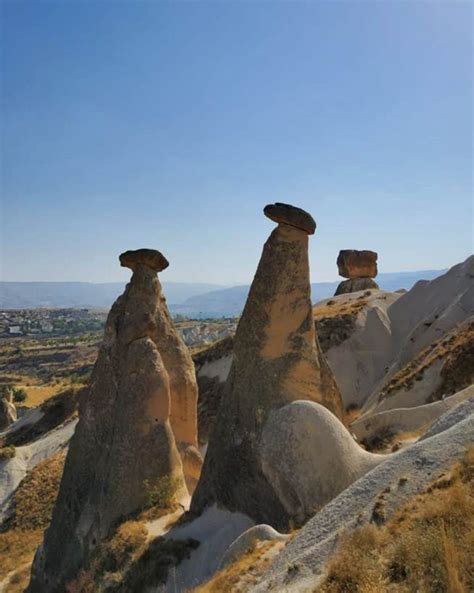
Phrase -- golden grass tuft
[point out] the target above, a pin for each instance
(242, 573)
(7, 452)
(333, 308)
(35, 496)
(426, 546)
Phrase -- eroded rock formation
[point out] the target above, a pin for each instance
(360, 267)
(276, 360)
(321, 462)
(124, 442)
(7, 412)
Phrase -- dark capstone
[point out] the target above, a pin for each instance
(150, 258)
(291, 215)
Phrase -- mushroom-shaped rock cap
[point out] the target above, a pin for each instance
(291, 215)
(150, 258)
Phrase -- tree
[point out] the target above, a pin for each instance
(19, 395)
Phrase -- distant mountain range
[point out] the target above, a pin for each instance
(33, 295)
(191, 299)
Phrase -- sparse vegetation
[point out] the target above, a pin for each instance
(161, 491)
(128, 562)
(34, 498)
(426, 547)
(7, 452)
(245, 571)
(456, 350)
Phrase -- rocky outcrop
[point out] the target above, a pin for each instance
(7, 412)
(276, 360)
(375, 497)
(124, 443)
(309, 457)
(356, 285)
(359, 267)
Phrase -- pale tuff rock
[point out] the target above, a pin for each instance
(276, 360)
(248, 540)
(357, 264)
(7, 412)
(309, 457)
(124, 441)
(356, 285)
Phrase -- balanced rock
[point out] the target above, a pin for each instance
(276, 360)
(286, 214)
(357, 264)
(124, 446)
(355, 285)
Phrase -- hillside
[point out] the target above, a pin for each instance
(30, 295)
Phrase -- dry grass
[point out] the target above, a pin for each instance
(35, 497)
(19, 580)
(17, 549)
(38, 394)
(426, 547)
(33, 504)
(456, 350)
(242, 573)
(128, 562)
(7, 452)
(335, 308)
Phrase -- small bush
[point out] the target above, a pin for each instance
(19, 395)
(7, 452)
(161, 492)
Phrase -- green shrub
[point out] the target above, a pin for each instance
(161, 492)
(19, 395)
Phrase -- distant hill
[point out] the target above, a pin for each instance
(32, 295)
(231, 301)
(186, 298)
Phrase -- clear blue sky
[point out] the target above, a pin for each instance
(170, 125)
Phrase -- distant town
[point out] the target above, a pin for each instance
(74, 322)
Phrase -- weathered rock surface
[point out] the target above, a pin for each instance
(398, 479)
(355, 285)
(124, 442)
(357, 264)
(276, 360)
(151, 258)
(248, 540)
(7, 413)
(309, 457)
(287, 214)
(407, 419)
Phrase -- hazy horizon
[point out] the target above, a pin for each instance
(171, 125)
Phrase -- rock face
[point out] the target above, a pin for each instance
(276, 360)
(7, 413)
(124, 442)
(357, 264)
(355, 285)
(309, 457)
